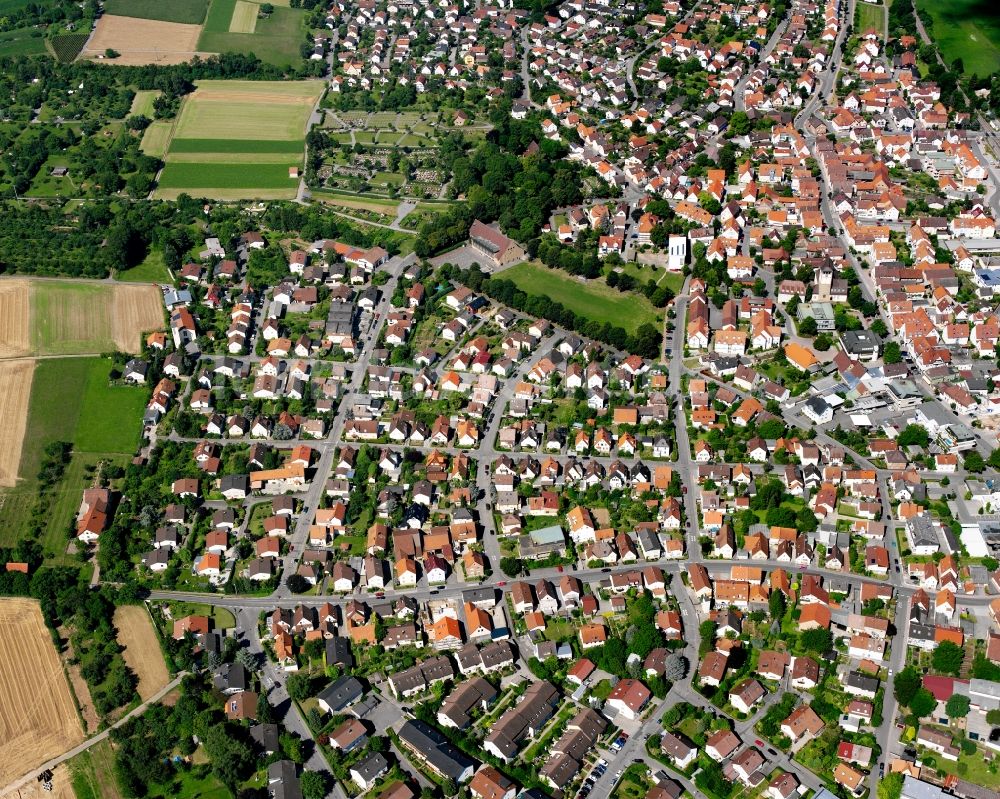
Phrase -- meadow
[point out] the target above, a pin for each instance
(966, 29)
(247, 111)
(191, 12)
(870, 16)
(198, 176)
(22, 41)
(593, 299)
(231, 26)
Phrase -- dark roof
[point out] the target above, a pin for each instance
(283, 783)
(437, 750)
(341, 693)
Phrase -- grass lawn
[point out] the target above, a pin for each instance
(228, 176)
(978, 770)
(557, 630)
(237, 146)
(966, 29)
(870, 16)
(191, 12)
(248, 110)
(153, 269)
(190, 785)
(602, 690)
(222, 617)
(593, 299)
(110, 416)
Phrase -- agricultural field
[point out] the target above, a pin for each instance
(143, 41)
(226, 126)
(68, 46)
(62, 788)
(38, 718)
(15, 318)
(188, 11)
(15, 389)
(156, 138)
(593, 299)
(966, 29)
(236, 26)
(142, 648)
(73, 318)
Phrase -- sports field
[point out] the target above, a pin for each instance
(38, 719)
(142, 649)
(966, 29)
(233, 26)
(593, 299)
(189, 11)
(238, 140)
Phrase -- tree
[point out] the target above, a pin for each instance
(776, 604)
(807, 327)
(958, 706)
(913, 435)
(922, 703)
(511, 566)
(906, 685)
(313, 784)
(890, 786)
(297, 584)
(299, 686)
(891, 352)
(818, 640)
(823, 342)
(973, 462)
(948, 658)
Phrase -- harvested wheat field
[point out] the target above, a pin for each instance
(62, 787)
(143, 41)
(15, 393)
(142, 648)
(37, 716)
(15, 319)
(137, 310)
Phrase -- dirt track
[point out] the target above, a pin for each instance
(37, 716)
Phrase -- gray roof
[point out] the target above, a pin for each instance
(283, 783)
(341, 693)
(434, 748)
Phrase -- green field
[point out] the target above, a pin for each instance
(156, 138)
(191, 12)
(71, 400)
(966, 29)
(153, 269)
(248, 111)
(231, 176)
(275, 40)
(250, 146)
(92, 772)
(23, 41)
(593, 299)
(51, 301)
(870, 16)
(237, 140)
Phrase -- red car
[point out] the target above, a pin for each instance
(559, 569)
(759, 742)
(502, 583)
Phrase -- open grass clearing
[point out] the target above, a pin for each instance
(966, 29)
(153, 269)
(593, 299)
(241, 146)
(38, 717)
(142, 103)
(202, 179)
